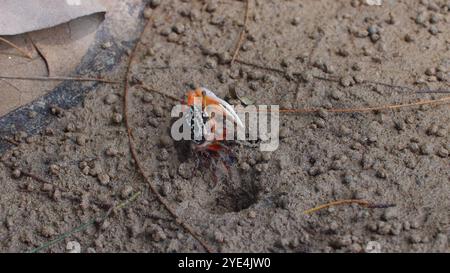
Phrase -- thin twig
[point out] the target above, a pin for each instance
(79, 79)
(86, 225)
(369, 109)
(242, 34)
(33, 176)
(337, 80)
(362, 203)
(149, 89)
(135, 157)
(23, 52)
(39, 51)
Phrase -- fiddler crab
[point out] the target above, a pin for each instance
(204, 113)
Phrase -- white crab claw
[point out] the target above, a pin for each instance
(226, 107)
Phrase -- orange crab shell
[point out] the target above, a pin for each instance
(199, 93)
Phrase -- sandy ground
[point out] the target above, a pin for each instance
(390, 157)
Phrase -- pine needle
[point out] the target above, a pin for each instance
(86, 225)
(79, 79)
(363, 203)
(242, 34)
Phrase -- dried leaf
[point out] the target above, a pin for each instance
(17, 17)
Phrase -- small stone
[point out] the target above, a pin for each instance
(372, 227)
(166, 190)
(56, 111)
(179, 28)
(212, 6)
(432, 130)
(219, 237)
(166, 31)
(426, 149)
(212, 64)
(86, 170)
(350, 179)
(390, 214)
(56, 195)
(307, 76)
(117, 118)
(381, 174)
(442, 152)
(409, 38)
(336, 94)
(47, 187)
(433, 30)
(361, 33)
(244, 166)
(320, 123)
(357, 66)
(252, 214)
(315, 171)
(255, 76)
(283, 202)
(73, 247)
(296, 21)
(344, 130)
(148, 13)
(48, 231)
(442, 76)
(284, 133)
(81, 140)
(406, 226)
(111, 99)
(104, 179)
(433, 7)
(355, 248)
(158, 111)
(414, 147)
(373, 29)
(111, 151)
(375, 38)
(173, 38)
(154, 3)
(358, 78)
(441, 242)
(147, 98)
(415, 224)
(434, 19)
(32, 114)
(421, 18)
(156, 233)
(54, 169)
(414, 239)
(70, 128)
(126, 191)
(391, 20)
(396, 229)
(383, 228)
(346, 81)
(399, 125)
(106, 45)
(341, 242)
(185, 170)
(224, 57)
(343, 52)
(16, 173)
